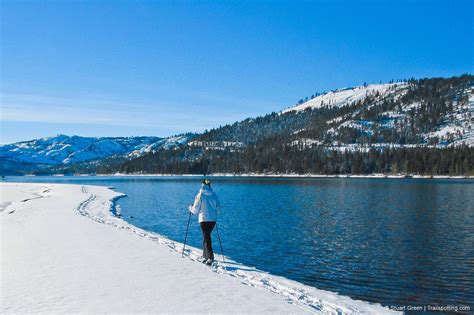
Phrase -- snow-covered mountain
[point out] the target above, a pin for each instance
(433, 113)
(412, 126)
(386, 110)
(428, 112)
(63, 150)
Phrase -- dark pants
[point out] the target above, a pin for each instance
(206, 228)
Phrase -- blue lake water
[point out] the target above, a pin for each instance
(391, 241)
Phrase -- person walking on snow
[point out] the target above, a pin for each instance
(207, 205)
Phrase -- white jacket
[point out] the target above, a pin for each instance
(206, 204)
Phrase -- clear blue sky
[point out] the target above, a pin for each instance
(119, 68)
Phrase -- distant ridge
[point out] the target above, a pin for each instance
(67, 150)
(421, 126)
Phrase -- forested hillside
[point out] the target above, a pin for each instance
(412, 126)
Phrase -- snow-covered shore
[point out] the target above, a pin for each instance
(63, 251)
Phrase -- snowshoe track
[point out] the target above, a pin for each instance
(246, 275)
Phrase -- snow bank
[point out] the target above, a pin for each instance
(55, 258)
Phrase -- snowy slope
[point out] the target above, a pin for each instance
(165, 143)
(63, 149)
(343, 97)
(458, 128)
(455, 129)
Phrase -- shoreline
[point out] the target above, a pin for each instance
(257, 175)
(141, 253)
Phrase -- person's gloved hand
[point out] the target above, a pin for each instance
(190, 208)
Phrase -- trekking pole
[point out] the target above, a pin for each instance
(186, 237)
(218, 236)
